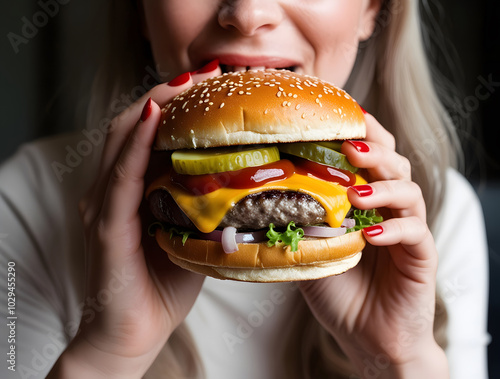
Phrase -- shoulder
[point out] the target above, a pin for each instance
(40, 221)
(54, 158)
(460, 233)
(462, 276)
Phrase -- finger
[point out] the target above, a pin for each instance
(410, 232)
(125, 122)
(126, 183)
(381, 162)
(119, 133)
(375, 132)
(209, 70)
(411, 247)
(403, 198)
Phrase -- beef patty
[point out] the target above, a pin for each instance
(254, 211)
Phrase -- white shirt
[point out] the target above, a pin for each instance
(232, 322)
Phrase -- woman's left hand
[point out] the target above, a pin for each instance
(381, 312)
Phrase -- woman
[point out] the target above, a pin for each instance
(381, 319)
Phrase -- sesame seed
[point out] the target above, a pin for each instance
(248, 93)
(241, 92)
(297, 106)
(284, 103)
(278, 94)
(303, 115)
(164, 122)
(207, 109)
(221, 105)
(229, 94)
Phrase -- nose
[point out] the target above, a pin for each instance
(249, 17)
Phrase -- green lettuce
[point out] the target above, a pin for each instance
(290, 237)
(172, 230)
(365, 218)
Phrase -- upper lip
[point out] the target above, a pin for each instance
(267, 61)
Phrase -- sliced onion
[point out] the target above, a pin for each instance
(228, 240)
(323, 231)
(216, 235)
(250, 237)
(349, 223)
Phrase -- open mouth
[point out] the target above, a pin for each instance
(229, 68)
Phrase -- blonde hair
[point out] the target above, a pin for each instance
(392, 79)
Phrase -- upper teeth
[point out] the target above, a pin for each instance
(228, 68)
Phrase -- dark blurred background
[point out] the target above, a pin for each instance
(44, 84)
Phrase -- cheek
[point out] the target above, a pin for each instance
(171, 26)
(334, 38)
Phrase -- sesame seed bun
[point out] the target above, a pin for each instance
(259, 107)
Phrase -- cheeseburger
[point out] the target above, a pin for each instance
(254, 184)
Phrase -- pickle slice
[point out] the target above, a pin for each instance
(320, 153)
(211, 161)
(334, 145)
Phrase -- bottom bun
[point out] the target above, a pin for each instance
(269, 275)
(257, 262)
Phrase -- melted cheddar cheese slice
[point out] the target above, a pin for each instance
(207, 211)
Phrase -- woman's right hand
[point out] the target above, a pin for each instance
(135, 297)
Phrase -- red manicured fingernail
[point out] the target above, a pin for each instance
(146, 111)
(180, 80)
(361, 146)
(373, 231)
(363, 109)
(363, 190)
(209, 67)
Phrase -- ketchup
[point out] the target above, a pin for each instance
(325, 172)
(251, 177)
